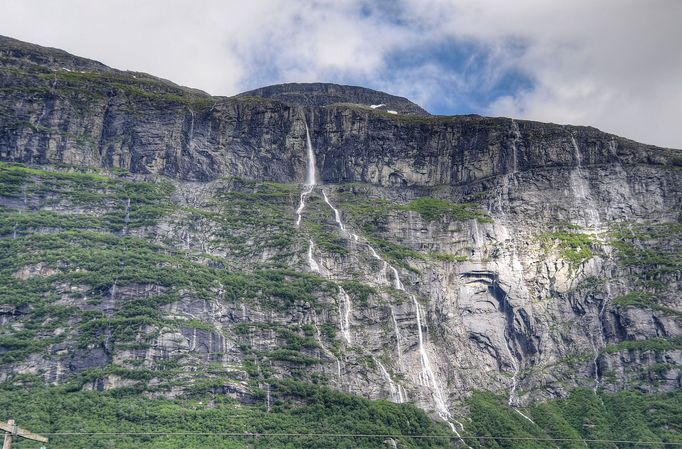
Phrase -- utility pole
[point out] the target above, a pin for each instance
(11, 430)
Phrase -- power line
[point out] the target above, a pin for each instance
(356, 435)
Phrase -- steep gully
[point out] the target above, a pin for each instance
(427, 377)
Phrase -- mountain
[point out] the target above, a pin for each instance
(325, 94)
(166, 248)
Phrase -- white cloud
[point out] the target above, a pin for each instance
(613, 64)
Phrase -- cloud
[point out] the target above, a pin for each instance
(613, 64)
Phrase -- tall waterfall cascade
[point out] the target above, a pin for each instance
(427, 377)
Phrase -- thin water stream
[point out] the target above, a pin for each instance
(427, 377)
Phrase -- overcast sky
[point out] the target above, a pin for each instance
(613, 64)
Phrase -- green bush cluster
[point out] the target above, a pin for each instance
(435, 209)
(574, 247)
(654, 249)
(295, 409)
(577, 421)
(644, 299)
(651, 344)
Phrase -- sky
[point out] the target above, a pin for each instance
(612, 64)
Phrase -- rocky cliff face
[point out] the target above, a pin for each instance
(433, 256)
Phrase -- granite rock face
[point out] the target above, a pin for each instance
(520, 257)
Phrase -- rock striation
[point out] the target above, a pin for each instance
(451, 254)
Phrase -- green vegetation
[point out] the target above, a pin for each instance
(652, 344)
(582, 416)
(393, 252)
(294, 338)
(326, 239)
(644, 299)
(436, 209)
(358, 292)
(143, 86)
(305, 409)
(123, 203)
(295, 408)
(574, 247)
(104, 263)
(252, 217)
(53, 251)
(654, 249)
(372, 214)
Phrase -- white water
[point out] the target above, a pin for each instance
(578, 159)
(337, 214)
(581, 189)
(578, 182)
(397, 284)
(397, 340)
(311, 177)
(427, 377)
(513, 398)
(396, 390)
(344, 314)
(301, 205)
(384, 264)
(314, 267)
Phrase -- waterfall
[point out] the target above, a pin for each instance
(427, 377)
(344, 314)
(396, 389)
(397, 284)
(311, 261)
(581, 188)
(311, 176)
(301, 205)
(384, 266)
(578, 159)
(513, 398)
(337, 214)
(595, 361)
(397, 340)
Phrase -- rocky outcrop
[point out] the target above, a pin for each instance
(540, 258)
(68, 111)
